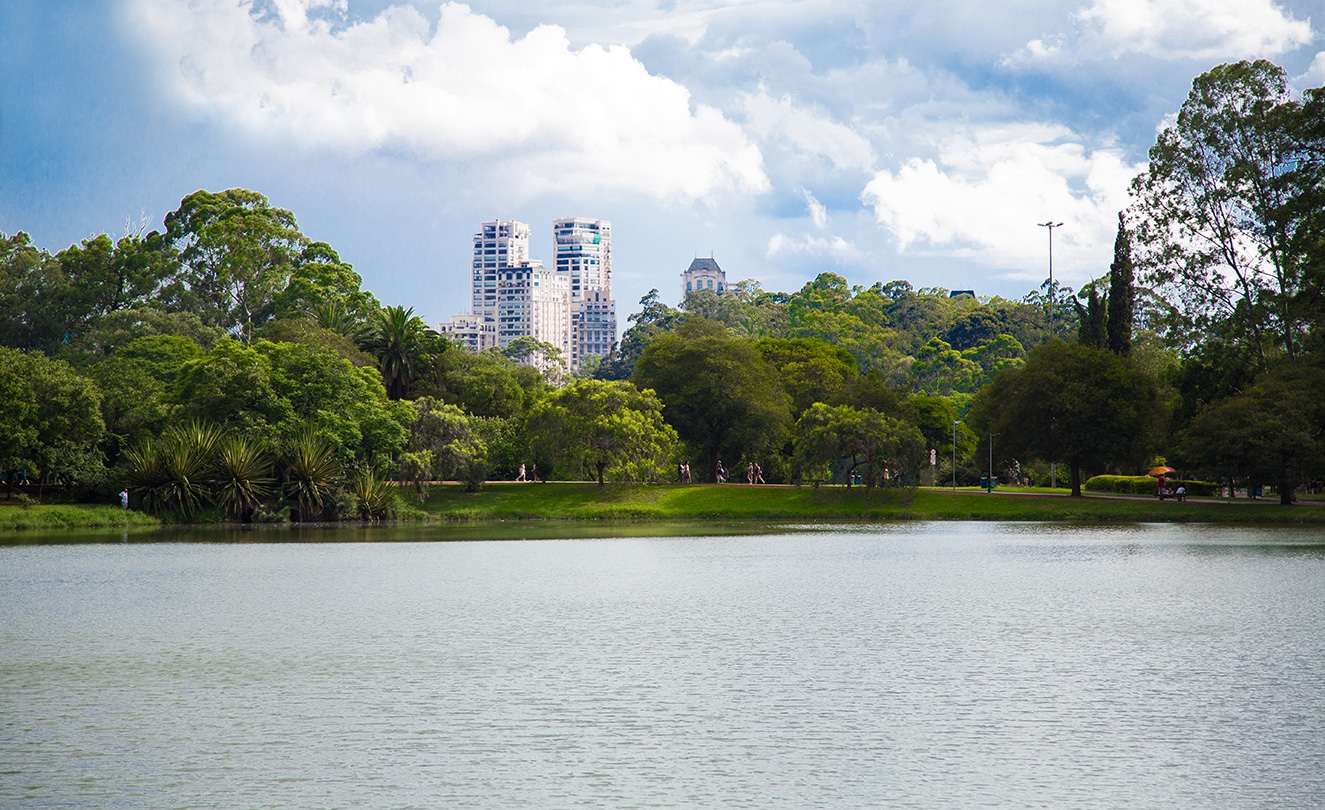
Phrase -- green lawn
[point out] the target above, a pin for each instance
(16, 516)
(559, 501)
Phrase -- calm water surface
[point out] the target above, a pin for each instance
(926, 666)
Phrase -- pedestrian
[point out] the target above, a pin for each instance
(759, 474)
(722, 474)
(685, 473)
(1161, 491)
(750, 473)
(680, 472)
(521, 476)
(1182, 493)
(124, 499)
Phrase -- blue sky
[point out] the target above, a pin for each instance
(877, 140)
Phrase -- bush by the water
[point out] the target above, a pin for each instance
(1146, 485)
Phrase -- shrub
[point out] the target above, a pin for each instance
(1146, 485)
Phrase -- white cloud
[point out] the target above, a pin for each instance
(982, 197)
(1314, 76)
(1035, 51)
(544, 115)
(818, 211)
(834, 247)
(807, 131)
(1194, 29)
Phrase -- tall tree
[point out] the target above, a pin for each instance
(1215, 226)
(1122, 292)
(1092, 319)
(238, 252)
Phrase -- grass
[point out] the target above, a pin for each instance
(15, 516)
(565, 501)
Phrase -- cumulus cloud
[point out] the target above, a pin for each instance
(545, 115)
(807, 131)
(1199, 29)
(1315, 75)
(833, 247)
(983, 195)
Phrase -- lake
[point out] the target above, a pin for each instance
(951, 665)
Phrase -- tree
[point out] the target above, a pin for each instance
(810, 370)
(653, 319)
(445, 445)
(321, 281)
(51, 425)
(720, 394)
(1073, 403)
(1272, 431)
(603, 425)
(1216, 227)
(1092, 319)
(238, 253)
(827, 436)
(400, 341)
(1122, 293)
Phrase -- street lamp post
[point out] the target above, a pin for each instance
(954, 454)
(991, 460)
(1052, 298)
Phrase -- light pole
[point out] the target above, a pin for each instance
(954, 454)
(991, 460)
(1052, 298)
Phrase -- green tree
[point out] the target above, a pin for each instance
(720, 395)
(1073, 403)
(1274, 431)
(596, 426)
(52, 425)
(401, 342)
(446, 444)
(321, 281)
(830, 436)
(1122, 292)
(1215, 222)
(810, 370)
(238, 253)
(653, 319)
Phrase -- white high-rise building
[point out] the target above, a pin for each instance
(500, 245)
(472, 331)
(533, 301)
(582, 250)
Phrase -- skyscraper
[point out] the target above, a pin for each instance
(582, 250)
(498, 246)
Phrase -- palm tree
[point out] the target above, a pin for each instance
(398, 339)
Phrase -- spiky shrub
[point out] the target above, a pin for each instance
(312, 473)
(172, 473)
(375, 498)
(242, 477)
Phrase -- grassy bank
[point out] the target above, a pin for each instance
(15, 516)
(557, 501)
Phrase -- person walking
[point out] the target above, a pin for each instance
(124, 499)
(521, 476)
(722, 474)
(759, 474)
(750, 473)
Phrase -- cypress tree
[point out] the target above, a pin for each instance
(1092, 328)
(1122, 295)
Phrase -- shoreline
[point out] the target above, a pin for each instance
(561, 502)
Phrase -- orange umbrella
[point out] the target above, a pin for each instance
(1161, 470)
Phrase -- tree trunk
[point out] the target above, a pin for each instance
(1286, 487)
(601, 465)
(1076, 478)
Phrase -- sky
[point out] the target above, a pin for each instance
(785, 138)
